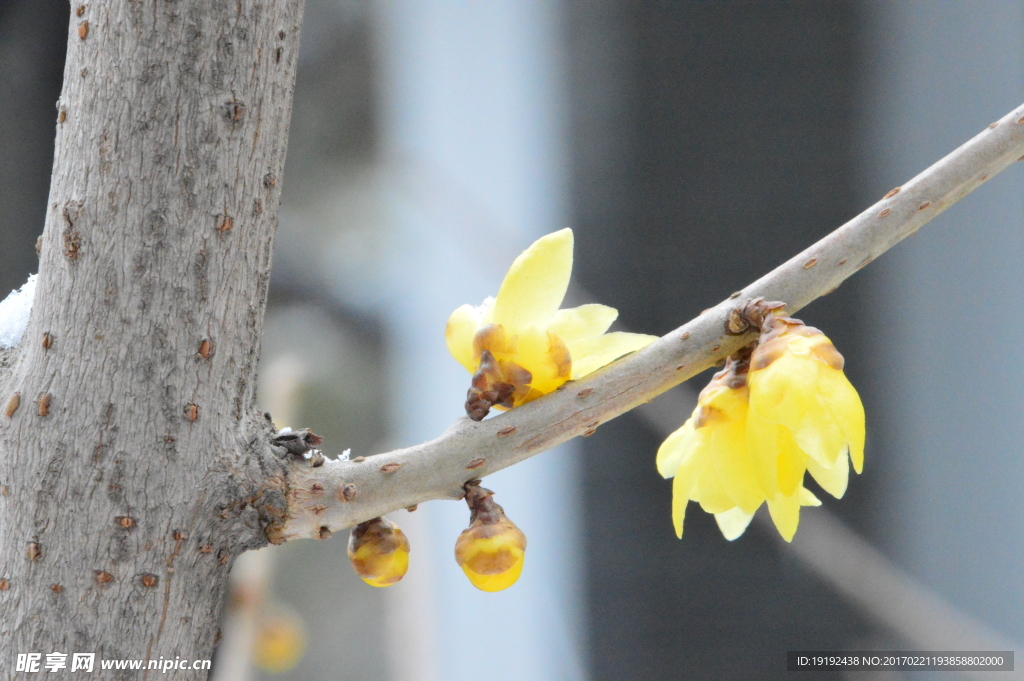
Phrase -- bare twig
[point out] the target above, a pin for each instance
(340, 494)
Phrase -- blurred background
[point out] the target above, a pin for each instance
(692, 146)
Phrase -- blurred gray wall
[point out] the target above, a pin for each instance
(943, 333)
(33, 38)
(711, 141)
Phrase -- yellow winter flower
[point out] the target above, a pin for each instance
(491, 551)
(797, 382)
(280, 640)
(713, 463)
(379, 552)
(803, 412)
(762, 422)
(519, 345)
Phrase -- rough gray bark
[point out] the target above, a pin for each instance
(136, 466)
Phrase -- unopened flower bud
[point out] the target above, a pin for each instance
(280, 640)
(492, 549)
(379, 552)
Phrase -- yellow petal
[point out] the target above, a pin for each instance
(778, 463)
(783, 391)
(833, 479)
(679, 502)
(711, 493)
(496, 582)
(807, 498)
(819, 436)
(674, 448)
(690, 469)
(591, 354)
(393, 573)
(786, 393)
(733, 464)
(844, 403)
(785, 514)
(536, 283)
(586, 321)
(544, 355)
(791, 464)
(459, 332)
(763, 440)
(733, 523)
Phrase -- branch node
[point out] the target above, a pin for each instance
(297, 443)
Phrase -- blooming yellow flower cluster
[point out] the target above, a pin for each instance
(519, 345)
(764, 420)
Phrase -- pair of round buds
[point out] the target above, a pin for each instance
(490, 551)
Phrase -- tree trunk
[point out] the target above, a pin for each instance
(136, 466)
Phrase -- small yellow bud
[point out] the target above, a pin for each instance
(379, 552)
(280, 641)
(492, 549)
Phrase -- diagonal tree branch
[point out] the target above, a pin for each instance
(339, 494)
